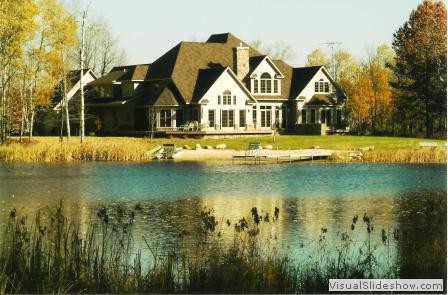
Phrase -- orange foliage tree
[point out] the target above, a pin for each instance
(370, 97)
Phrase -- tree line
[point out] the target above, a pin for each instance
(398, 90)
(39, 47)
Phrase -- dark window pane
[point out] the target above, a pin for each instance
(313, 116)
(211, 118)
(242, 118)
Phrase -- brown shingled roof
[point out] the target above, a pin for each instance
(321, 99)
(109, 78)
(300, 78)
(206, 78)
(183, 62)
(135, 73)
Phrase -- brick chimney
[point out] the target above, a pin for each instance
(241, 61)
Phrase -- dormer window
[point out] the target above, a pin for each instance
(265, 83)
(227, 97)
(322, 86)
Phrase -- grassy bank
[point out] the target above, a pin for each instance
(49, 149)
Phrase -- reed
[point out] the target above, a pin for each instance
(126, 149)
(50, 254)
(407, 155)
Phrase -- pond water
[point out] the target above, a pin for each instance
(310, 196)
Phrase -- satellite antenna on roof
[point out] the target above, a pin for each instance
(331, 45)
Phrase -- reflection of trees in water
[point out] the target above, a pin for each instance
(422, 236)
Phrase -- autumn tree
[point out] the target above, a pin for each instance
(370, 94)
(318, 58)
(62, 38)
(420, 69)
(17, 24)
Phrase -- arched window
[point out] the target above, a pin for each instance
(265, 80)
(227, 97)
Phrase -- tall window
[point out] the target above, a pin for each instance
(227, 118)
(339, 117)
(165, 118)
(195, 115)
(265, 112)
(211, 118)
(255, 86)
(179, 117)
(313, 116)
(327, 87)
(275, 86)
(254, 115)
(234, 100)
(242, 118)
(219, 99)
(283, 124)
(303, 116)
(316, 86)
(265, 81)
(227, 97)
(277, 117)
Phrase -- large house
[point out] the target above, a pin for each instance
(221, 86)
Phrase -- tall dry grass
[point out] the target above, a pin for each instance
(408, 155)
(125, 149)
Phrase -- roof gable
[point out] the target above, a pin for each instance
(301, 77)
(257, 62)
(206, 78)
(221, 73)
(166, 98)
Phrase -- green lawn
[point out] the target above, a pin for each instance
(281, 142)
(303, 142)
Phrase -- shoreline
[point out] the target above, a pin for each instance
(266, 156)
(338, 149)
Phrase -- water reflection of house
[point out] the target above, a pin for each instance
(224, 86)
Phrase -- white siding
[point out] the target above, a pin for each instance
(226, 82)
(308, 93)
(264, 67)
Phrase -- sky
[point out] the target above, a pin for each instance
(146, 29)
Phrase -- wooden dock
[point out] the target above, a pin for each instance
(282, 156)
